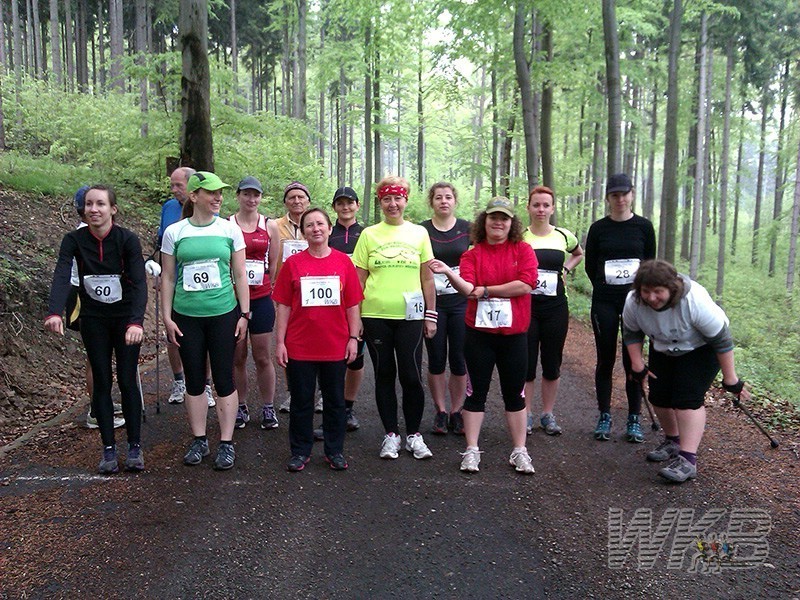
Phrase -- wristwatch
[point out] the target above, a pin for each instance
(247, 315)
(485, 292)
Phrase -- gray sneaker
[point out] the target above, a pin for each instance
(529, 424)
(135, 459)
(286, 405)
(549, 424)
(352, 422)
(226, 456)
(197, 451)
(679, 470)
(108, 463)
(664, 451)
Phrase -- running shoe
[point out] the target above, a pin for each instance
(471, 460)
(664, 451)
(178, 390)
(521, 461)
(352, 422)
(548, 422)
(226, 456)
(117, 408)
(440, 423)
(390, 446)
(242, 416)
(91, 422)
(197, 451)
(210, 397)
(603, 430)
(337, 462)
(318, 404)
(108, 463)
(269, 420)
(529, 424)
(679, 470)
(135, 459)
(634, 431)
(286, 405)
(416, 445)
(319, 434)
(297, 463)
(457, 423)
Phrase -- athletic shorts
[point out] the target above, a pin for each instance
(358, 363)
(263, 319)
(682, 381)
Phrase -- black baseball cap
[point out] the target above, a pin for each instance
(250, 183)
(345, 192)
(619, 183)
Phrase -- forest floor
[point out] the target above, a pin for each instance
(383, 527)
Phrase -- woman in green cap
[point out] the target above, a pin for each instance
(201, 313)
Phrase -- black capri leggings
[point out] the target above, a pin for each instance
(448, 341)
(547, 335)
(211, 336)
(101, 338)
(682, 381)
(485, 350)
(388, 339)
(606, 323)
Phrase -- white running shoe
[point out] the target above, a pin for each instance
(210, 396)
(286, 405)
(91, 422)
(178, 390)
(416, 445)
(521, 461)
(390, 446)
(318, 404)
(471, 460)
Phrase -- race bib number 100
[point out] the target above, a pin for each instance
(320, 291)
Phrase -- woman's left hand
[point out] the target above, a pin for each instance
(429, 329)
(241, 328)
(351, 353)
(134, 335)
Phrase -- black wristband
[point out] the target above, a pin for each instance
(735, 388)
(640, 376)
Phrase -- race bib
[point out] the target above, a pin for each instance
(201, 275)
(493, 313)
(291, 247)
(621, 271)
(443, 285)
(103, 288)
(255, 271)
(415, 305)
(320, 291)
(546, 284)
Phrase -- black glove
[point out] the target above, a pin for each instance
(735, 388)
(640, 376)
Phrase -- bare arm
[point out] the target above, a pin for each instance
(242, 290)
(282, 312)
(167, 295)
(274, 249)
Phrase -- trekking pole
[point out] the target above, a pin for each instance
(654, 424)
(141, 393)
(738, 404)
(154, 270)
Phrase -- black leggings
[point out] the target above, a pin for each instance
(606, 322)
(302, 376)
(546, 336)
(448, 341)
(485, 350)
(208, 336)
(387, 339)
(101, 338)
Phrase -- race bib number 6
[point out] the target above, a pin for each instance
(255, 272)
(103, 288)
(621, 271)
(320, 291)
(493, 313)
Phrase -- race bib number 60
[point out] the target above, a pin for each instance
(103, 288)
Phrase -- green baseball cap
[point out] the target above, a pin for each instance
(206, 180)
(500, 204)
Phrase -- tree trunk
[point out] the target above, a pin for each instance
(55, 43)
(506, 147)
(376, 116)
(15, 25)
(141, 50)
(495, 121)
(367, 198)
(81, 46)
(285, 63)
(300, 68)
(708, 144)
(597, 161)
(523, 70)
(738, 188)
(234, 53)
(341, 121)
(760, 180)
(613, 91)
(420, 118)
(650, 193)
(723, 184)
(197, 148)
(669, 188)
(37, 39)
(777, 208)
(101, 46)
(115, 23)
(478, 156)
(697, 198)
(3, 55)
(794, 231)
(546, 131)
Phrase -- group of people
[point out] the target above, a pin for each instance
(311, 295)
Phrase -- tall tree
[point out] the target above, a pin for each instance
(197, 149)
(117, 45)
(37, 38)
(697, 200)
(777, 207)
(299, 95)
(141, 49)
(55, 43)
(613, 86)
(523, 70)
(790, 271)
(546, 130)
(723, 178)
(762, 156)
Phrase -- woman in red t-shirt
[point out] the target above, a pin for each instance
(318, 319)
(497, 275)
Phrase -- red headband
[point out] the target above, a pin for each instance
(394, 190)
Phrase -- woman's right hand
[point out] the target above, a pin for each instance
(438, 266)
(54, 324)
(173, 332)
(281, 355)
